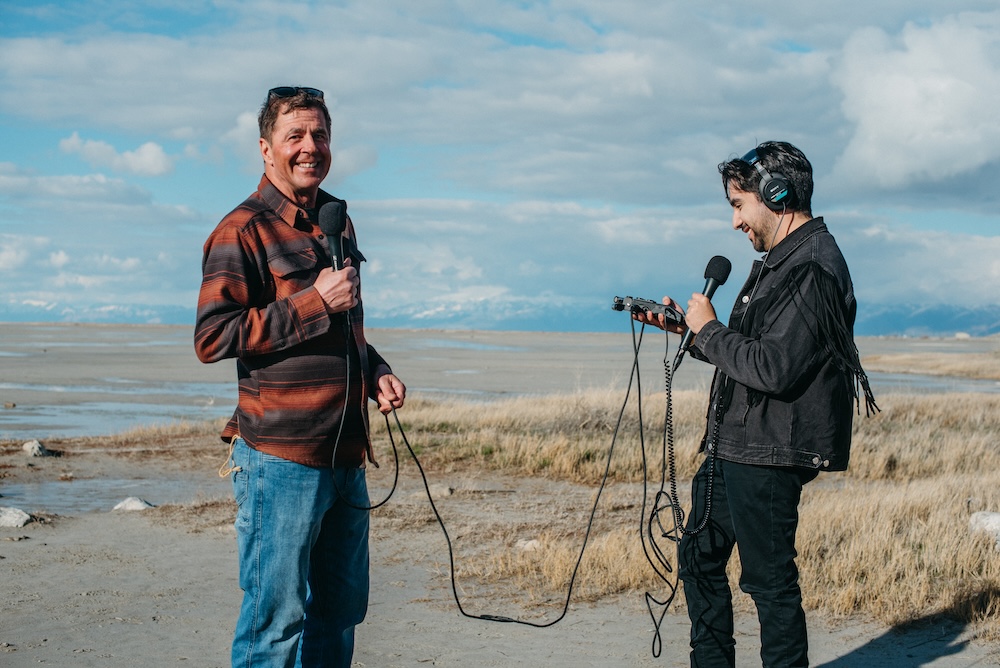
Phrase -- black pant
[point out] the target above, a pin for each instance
(756, 508)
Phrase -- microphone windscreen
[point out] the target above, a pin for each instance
(332, 218)
(718, 269)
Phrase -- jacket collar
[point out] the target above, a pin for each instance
(791, 243)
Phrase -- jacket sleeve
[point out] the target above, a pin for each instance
(785, 339)
(231, 319)
(379, 367)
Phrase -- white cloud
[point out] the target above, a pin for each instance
(894, 263)
(923, 103)
(62, 281)
(59, 259)
(243, 137)
(563, 149)
(454, 254)
(117, 264)
(351, 160)
(148, 160)
(12, 255)
(71, 239)
(22, 185)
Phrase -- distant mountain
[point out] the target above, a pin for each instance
(896, 320)
(131, 314)
(939, 320)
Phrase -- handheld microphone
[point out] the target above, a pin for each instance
(716, 274)
(333, 220)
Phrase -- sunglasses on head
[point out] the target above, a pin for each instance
(292, 91)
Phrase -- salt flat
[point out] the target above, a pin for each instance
(71, 380)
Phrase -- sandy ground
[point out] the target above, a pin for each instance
(159, 587)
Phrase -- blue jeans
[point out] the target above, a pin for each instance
(756, 508)
(303, 561)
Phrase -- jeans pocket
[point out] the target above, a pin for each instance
(241, 486)
(239, 474)
(355, 488)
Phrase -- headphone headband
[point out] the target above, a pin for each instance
(775, 190)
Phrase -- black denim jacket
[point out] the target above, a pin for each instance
(787, 369)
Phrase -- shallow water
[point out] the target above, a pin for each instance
(76, 497)
(913, 383)
(101, 418)
(67, 381)
(75, 380)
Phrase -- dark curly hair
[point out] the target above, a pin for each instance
(777, 157)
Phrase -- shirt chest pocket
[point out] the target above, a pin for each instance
(293, 271)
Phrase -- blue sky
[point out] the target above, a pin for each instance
(508, 164)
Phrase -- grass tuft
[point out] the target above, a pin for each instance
(889, 539)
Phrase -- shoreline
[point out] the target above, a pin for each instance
(65, 380)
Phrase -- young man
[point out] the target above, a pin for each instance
(781, 408)
(299, 437)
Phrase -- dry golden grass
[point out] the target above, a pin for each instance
(902, 550)
(560, 437)
(927, 436)
(981, 366)
(612, 564)
(888, 539)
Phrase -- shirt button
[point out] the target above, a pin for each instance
(816, 461)
(320, 236)
(746, 299)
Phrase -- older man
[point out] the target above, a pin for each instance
(299, 437)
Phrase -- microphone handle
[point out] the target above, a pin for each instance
(710, 287)
(335, 242)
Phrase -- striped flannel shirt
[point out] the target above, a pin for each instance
(257, 305)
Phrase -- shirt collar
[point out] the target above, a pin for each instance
(285, 208)
(789, 244)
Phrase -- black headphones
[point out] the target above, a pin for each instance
(775, 190)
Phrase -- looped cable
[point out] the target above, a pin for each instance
(655, 555)
(451, 551)
(229, 466)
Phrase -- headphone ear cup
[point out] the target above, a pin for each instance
(776, 192)
(774, 189)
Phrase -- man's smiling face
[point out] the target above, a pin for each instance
(753, 218)
(297, 157)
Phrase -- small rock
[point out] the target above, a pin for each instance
(533, 545)
(988, 522)
(36, 449)
(13, 517)
(436, 491)
(134, 503)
